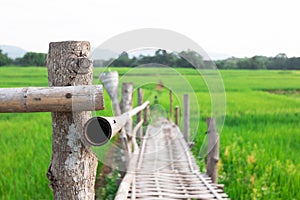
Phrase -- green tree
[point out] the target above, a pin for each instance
(4, 59)
(278, 62)
(32, 59)
(193, 59)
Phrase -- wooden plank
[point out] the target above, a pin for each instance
(52, 99)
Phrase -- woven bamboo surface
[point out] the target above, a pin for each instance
(164, 168)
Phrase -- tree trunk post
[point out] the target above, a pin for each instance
(177, 115)
(139, 116)
(171, 103)
(126, 105)
(72, 170)
(186, 118)
(213, 150)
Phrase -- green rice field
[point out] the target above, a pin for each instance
(260, 139)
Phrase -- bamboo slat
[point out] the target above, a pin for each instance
(166, 169)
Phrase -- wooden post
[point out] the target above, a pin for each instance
(110, 82)
(126, 105)
(171, 103)
(186, 118)
(139, 116)
(146, 115)
(52, 99)
(177, 115)
(72, 170)
(213, 150)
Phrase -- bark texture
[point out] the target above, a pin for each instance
(72, 170)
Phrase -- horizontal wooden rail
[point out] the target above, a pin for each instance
(52, 99)
(99, 130)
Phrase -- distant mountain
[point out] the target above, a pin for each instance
(13, 51)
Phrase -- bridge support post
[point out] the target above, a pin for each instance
(171, 104)
(186, 118)
(72, 170)
(139, 116)
(213, 150)
(126, 105)
(177, 115)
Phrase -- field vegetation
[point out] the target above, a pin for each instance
(260, 139)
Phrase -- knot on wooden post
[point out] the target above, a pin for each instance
(72, 60)
(84, 65)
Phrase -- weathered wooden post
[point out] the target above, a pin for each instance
(110, 82)
(177, 115)
(213, 150)
(72, 170)
(139, 116)
(186, 119)
(126, 105)
(171, 103)
(146, 115)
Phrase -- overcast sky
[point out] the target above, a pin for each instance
(233, 27)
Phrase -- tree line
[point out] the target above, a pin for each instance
(171, 59)
(280, 61)
(29, 59)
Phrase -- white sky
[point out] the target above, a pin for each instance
(232, 27)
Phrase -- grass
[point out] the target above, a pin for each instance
(260, 140)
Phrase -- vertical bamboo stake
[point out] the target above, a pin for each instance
(186, 118)
(171, 103)
(72, 170)
(126, 105)
(146, 115)
(213, 150)
(139, 116)
(177, 115)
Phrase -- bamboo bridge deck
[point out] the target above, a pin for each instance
(164, 168)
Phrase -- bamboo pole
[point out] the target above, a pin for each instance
(213, 150)
(52, 99)
(99, 130)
